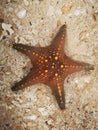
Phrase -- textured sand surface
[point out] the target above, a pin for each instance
(34, 23)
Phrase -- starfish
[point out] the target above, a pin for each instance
(50, 66)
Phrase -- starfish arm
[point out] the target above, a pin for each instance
(34, 53)
(23, 48)
(75, 66)
(32, 78)
(58, 92)
(59, 40)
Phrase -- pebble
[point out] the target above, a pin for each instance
(78, 12)
(7, 70)
(83, 35)
(1, 76)
(22, 13)
(26, 2)
(95, 16)
(66, 8)
(8, 28)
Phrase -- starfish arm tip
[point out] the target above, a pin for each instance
(89, 67)
(14, 88)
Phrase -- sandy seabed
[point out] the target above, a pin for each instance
(34, 23)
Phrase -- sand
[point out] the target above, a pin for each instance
(35, 23)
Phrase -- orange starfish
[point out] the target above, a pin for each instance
(50, 66)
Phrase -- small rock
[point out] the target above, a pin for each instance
(19, 127)
(8, 100)
(33, 117)
(1, 18)
(26, 2)
(95, 15)
(1, 76)
(78, 12)
(59, 23)
(96, 50)
(22, 13)
(7, 70)
(7, 27)
(29, 124)
(83, 35)
(50, 11)
(66, 8)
